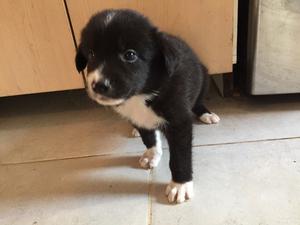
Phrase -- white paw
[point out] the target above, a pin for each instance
(150, 158)
(210, 118)
(135, 133)
(179, 192)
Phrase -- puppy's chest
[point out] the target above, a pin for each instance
(136, 110)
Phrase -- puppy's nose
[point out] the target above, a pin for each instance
(101, 87)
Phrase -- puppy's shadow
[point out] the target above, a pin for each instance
(97, 177)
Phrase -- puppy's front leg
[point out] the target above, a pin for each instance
(152, 156)
(179, 136)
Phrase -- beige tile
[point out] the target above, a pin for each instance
(250, 119)
(93, 190)
(252, 183)
(34, 130)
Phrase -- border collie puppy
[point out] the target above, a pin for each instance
(152, 79)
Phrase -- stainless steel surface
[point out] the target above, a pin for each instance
(274, 47)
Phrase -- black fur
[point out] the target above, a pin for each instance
(148, 137)
(80, 60)
(165, 65)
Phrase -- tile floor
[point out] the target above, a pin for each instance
(65, 160)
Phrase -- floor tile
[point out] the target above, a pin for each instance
(250, 119)
(64, 127)
(93, 190)
(249, 184)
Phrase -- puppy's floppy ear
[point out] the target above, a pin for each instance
(80, 59)
(170, 54)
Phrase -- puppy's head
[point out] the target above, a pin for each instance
(118, 48)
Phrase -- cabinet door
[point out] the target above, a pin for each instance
(207, 25)
(37, 49)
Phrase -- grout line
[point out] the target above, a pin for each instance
(67, 158)
(245, 142)
(150, 200)
(109, 154)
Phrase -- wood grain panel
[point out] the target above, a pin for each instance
(207, 25)
(37, 50)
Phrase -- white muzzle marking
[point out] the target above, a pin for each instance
(91, 79)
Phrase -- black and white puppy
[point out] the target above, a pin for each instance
(151, 78)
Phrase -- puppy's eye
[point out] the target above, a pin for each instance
(129, 56)
(91, 54)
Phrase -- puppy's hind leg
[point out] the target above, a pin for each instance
(152, 156)
(203, 114)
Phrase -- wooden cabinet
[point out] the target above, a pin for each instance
(37, 49)
(207, 25)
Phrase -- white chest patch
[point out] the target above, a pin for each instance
(135, 110)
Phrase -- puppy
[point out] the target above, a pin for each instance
(152, 79)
